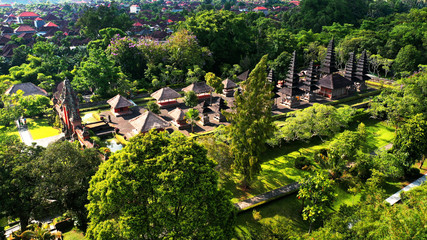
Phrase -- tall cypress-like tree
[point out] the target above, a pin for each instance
(251, 122)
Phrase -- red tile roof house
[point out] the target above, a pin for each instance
(27, 16)
(24, 29)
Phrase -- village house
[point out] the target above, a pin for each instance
(27, 16)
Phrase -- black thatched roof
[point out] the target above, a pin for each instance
(203, 107)
(329, 63)
(119, 102)
(243, 76)
(165, 93)
(177, 114)
(147, 121)
(198, 87)
(229, 84)
(28, 89)
(334, 81)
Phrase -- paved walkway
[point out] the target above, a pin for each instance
(28, 139)
(268, 196)
(396, 197)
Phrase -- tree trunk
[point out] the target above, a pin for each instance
(422, 161)
(24, 219)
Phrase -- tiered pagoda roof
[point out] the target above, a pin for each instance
(329, 63)
(292, 79)
(362, 68)
(350, 68)
(203, 107)
(311, 79)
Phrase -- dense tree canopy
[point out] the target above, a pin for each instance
(159, 187)
(251, 122)
(103, 16)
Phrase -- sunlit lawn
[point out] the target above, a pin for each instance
(41, 128)
(87, 117)
(278, 170)
(73, 235)
(278, 163)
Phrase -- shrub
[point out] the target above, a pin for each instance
(302, 162)
(256, 215)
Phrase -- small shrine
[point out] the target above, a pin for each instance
(204, 109)
(217, 108)
(178, 118)
(229, 86)
(166, 97)
(120, 105)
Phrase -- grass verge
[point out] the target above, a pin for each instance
(73, 235)
(41, 128)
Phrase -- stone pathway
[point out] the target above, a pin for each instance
(266, 197)
(396, 197)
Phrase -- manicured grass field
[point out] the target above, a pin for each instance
(278, 170)
(41, 128)
(73, 235)
(278, 163)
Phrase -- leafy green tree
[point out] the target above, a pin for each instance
(317, 194)
(407, 59)
(219, 30)
(251, 122)
(11, 110)
(192, 116)
(411, 140)
(159, 187)
(64, 172)
(34, 105)
(318, 120)
(190, 99)
(214, 81)
(313, 14)
(99, 74)
(153, 107)
(17, 183)
(95, 18)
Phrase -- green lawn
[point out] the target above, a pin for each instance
(41, 128)
(87, 117)
(278, 170)
(278, 164)
(73, 235)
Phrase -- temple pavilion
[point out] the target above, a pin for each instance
(147, 121)
(202, 90)
(166, 97)
(332, 85)
(120, 105)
